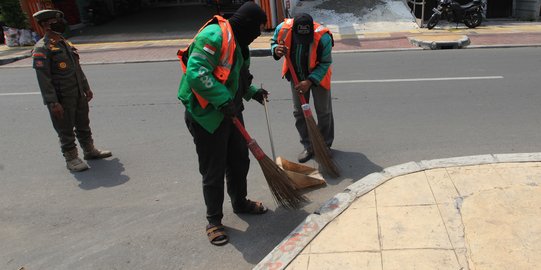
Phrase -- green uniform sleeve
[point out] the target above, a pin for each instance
(325, 60)
(42, 65)
(204, 56)
(274, 40)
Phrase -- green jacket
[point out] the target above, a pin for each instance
(58, 70)
(200, 78)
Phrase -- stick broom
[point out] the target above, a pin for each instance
(321, 151)
(280, 184)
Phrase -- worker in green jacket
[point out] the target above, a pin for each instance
(216, 80)
(65, 90)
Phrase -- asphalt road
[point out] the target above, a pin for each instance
(143, 208)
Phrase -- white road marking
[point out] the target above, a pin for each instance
(421, 79)
(20, 94)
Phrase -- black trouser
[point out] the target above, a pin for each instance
(222, 153)
(75, 117)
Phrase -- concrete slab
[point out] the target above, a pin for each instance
(355, 230)
(411, 227)
(441, 185)
(398, 191)
(472, 204)
(346, 261)
(502, 228)
(439, 42)
(469, 180)
(410, 259)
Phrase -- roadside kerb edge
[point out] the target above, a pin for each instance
(293, 244)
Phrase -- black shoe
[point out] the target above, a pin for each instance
(305, 156)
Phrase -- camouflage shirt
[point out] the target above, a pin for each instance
(57, 66)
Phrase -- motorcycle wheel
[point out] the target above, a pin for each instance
(434, 19)
(473, 20)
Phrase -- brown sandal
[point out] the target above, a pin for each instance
(252, 208)
(216, 235)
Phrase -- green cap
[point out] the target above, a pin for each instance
(47, 14)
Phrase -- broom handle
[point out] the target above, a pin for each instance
(252, 144)
(269, 127)
(241, 128)
(305, 107)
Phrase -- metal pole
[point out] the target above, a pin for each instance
(269, 127)
(423, 13)
(414, 3)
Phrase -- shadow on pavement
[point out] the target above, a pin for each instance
(353, 166)
(102, 173)
(259, 238)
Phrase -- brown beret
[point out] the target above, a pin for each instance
(47, 14)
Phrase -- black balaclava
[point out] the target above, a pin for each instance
(59, 26)
(303, 29)
(246, 23)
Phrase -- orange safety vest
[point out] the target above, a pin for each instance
(285, 36)
(227, 53)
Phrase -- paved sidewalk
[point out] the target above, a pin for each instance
(480, 212)
(492, 34)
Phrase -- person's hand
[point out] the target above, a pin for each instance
(280, 50)
(229, 110)
(303, 86)
(57, 110)
(260, 95)
(89, 95)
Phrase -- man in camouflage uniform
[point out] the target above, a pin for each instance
(65, 90)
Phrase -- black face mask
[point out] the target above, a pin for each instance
(59, 27)
(246, 23)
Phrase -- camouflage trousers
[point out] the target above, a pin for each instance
(74, 124)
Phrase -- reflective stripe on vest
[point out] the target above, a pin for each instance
(227, 52)
(284, 35)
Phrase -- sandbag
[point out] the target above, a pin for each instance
(11, 35)
(25, 37)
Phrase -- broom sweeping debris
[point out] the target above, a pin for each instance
(282, 188)
(301, 175)
(321, 151)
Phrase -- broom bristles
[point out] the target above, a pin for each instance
(280, 184)
(321, 151)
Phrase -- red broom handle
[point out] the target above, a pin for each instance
(252, 144)
(305, 106)
(291, 70)
(241, 128)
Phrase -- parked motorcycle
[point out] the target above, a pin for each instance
(470, 14)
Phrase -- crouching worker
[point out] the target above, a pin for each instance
(64, 89)
(216, 79)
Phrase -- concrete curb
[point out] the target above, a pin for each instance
(293, 244)
(266, 52)
(5, 61)
(443, 42)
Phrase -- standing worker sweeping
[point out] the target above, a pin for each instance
(309, 47)
(216, 79)
(65, 90)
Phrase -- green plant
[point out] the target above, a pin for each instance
(12, 14)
